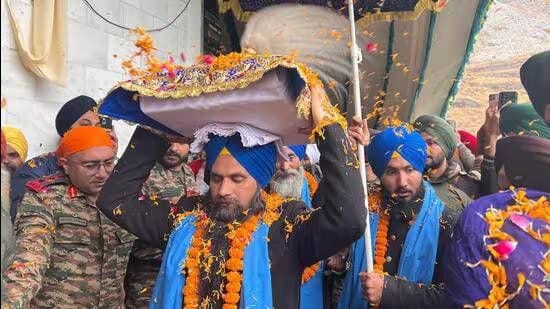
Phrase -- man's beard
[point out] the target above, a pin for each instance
(228, 210)
(288, 183)
(434, 162)
(168, 165)
(400, 202)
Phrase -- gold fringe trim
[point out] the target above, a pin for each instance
(422, 5)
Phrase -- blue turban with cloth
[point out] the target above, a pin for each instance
(407, 143)
(259, 161)
(299, 150)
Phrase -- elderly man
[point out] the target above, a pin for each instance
(498, 255)
(170, 179)
(79, 111)
(16, 148)
(68, 254)
(410, 227)
(453, 186)
(239, 246)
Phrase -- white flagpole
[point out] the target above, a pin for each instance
(355, 59)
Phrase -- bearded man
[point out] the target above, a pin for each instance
(410, 227)
(453, 186)
(239, 246)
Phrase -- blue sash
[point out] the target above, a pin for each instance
(311, 292)
(417, 260)
(256, 288)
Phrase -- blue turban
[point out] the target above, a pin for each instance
(299, 150)
(407, 143)
(259, 161)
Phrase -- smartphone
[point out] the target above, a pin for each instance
(106, 123)
(507, 97)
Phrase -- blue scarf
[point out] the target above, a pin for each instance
(311, 292)
(256, 287)
(417, 260)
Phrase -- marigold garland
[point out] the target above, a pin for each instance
(312, 183)
(239, 236)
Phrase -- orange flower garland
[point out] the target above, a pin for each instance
(312, 183)
(191, 267)
(381, 243)
(239, 236)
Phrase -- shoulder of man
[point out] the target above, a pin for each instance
(44, 183)
(39, 166)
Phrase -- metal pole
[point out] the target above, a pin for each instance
(355, 59)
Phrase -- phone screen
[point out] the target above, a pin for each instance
(106, 123)
(507, 97)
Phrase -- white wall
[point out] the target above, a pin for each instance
(92, 69)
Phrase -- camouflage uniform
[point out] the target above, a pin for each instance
(68, 255)
(8, 240)
(145, 261)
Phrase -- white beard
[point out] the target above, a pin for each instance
(289, 183)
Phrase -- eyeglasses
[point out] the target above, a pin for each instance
(93, 166)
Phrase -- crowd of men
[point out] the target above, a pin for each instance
(90, 230)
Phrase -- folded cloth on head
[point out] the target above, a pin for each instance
(250, 136)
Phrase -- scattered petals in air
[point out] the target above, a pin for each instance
(371, 47)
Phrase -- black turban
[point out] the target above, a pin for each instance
(526, 161)
(535, 77)
(71, 111)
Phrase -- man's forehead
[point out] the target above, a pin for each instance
(426, 136)
(226, 165)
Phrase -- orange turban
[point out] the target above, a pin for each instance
(83, 138)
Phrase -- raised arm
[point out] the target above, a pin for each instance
(121, 199)
(339, 216)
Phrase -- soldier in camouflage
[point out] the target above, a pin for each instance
(170, 180)
(68, 254)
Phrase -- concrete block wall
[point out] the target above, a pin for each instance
(92, 68)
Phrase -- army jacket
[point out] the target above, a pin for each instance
(68, 254)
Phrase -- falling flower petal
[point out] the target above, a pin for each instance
(502, 249)
(521, 221)
(372, 47)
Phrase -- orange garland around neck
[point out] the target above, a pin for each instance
(239, 236)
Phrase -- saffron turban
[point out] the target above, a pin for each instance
(71, 111)
(407, 143)
(522, 119)
(526, 161)
(299, 150)
(259, 161)
(16, 139)
(81, 139)
(441, 131)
